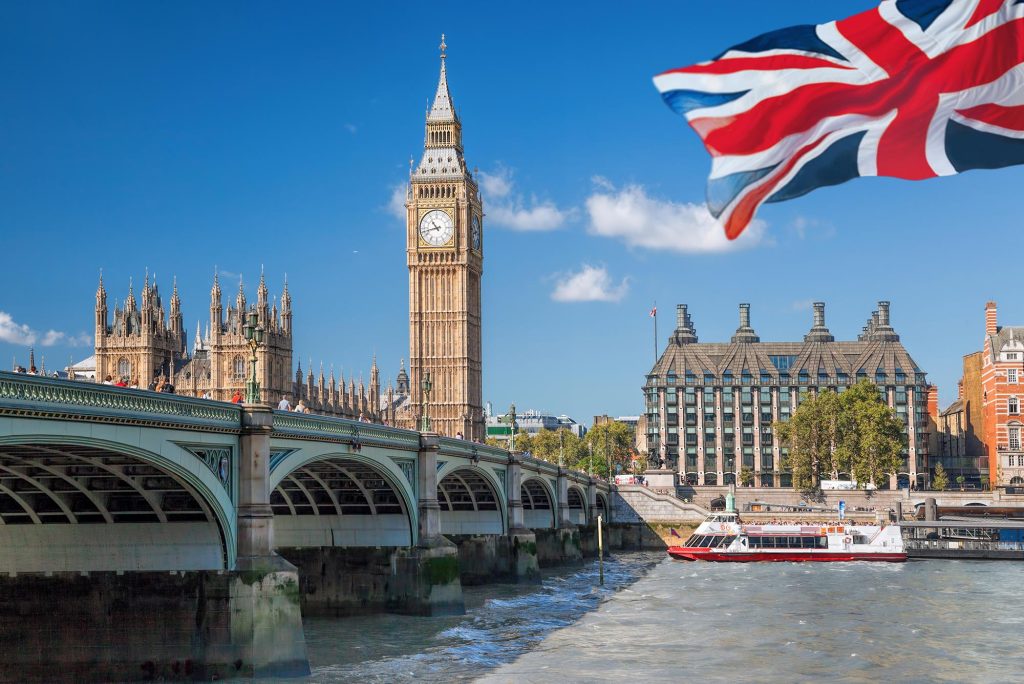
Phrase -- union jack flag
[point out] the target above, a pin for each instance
(911, 89)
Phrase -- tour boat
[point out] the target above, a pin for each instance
(723, 538)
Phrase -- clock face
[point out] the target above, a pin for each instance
(436, 227)
(476, 233)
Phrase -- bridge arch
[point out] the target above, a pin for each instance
(538, 503)
(328, 497)
(164, 511)
(577, 505)
(601, 508)
(471, 501)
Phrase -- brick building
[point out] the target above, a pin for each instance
(959, 447)
(1002, 359)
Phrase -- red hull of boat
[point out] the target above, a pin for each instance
(703, 554)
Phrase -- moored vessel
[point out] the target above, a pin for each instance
(722, 537)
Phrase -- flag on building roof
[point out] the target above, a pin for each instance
(654, 311)
(911, 89)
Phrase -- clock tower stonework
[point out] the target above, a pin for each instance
(444, 250)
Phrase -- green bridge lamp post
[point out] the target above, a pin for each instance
(426, 386)
(254, 335)
(512, 427)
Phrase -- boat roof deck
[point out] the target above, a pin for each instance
(960, 521)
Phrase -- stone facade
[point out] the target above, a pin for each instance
(145, 342)
(444, 249)
(710, 406)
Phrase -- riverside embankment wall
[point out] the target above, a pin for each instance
(878, 499)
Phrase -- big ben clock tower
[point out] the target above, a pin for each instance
(444, 248)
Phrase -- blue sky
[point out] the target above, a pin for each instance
(184, 136)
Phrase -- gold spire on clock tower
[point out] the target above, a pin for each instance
(444, 250)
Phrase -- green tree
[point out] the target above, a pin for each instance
(940, 480)
(875, 438)
(853, 432)
(548, 444)
(746, 477)
(607, 442)
(523, 441)
(813, 436)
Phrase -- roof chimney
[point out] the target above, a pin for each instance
(819, 333)
(684, 332)
(881, 330)
(991, 328)
(745, 333)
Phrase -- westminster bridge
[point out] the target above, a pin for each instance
(153, 535)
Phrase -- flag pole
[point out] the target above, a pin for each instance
(655, 332)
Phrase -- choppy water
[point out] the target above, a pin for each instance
(662, 620)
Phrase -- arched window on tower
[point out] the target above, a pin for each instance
(238, 367)
(124, 368)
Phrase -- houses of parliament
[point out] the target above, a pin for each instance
(143, 340)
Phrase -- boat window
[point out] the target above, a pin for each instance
(726, 541)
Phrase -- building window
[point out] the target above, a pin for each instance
(238, 367)
(1011, 376)
(1011, 357)
(1014, 439)
(1013, 406)
(124, 368)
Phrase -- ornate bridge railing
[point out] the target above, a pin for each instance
(472, 450)
(308, 426)
(40, 397)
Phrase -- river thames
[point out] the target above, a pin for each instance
(662, 620)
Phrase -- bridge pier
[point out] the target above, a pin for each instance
(266, 615)
(427, 578)
(524, 565)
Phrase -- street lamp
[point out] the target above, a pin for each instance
(512, 423)
(608, 456)
(561, 434)
(426, 386)
(254, 333)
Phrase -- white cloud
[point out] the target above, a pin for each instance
(589, 284)
(55, 337)
(18, 333)
(396, 203)
(15, 333)
(508, 209)
(351, 128)
(639, 220)
(496, 185)
(537, 217)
